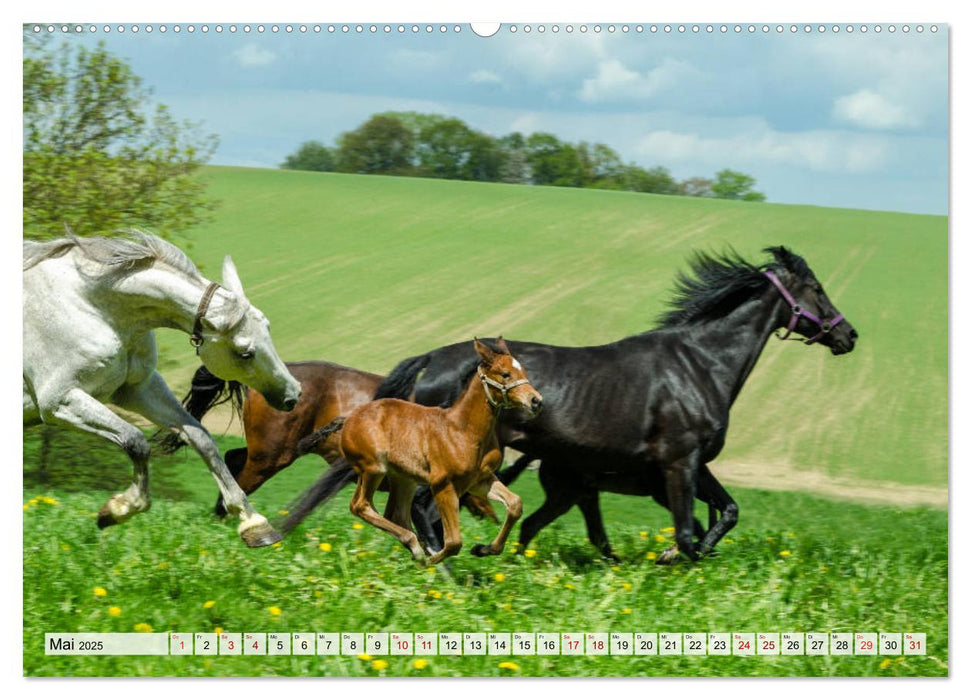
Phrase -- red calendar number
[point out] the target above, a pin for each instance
(744, 645)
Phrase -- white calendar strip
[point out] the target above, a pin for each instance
(769, 644)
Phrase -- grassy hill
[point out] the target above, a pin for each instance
(367, 270)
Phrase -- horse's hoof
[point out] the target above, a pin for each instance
(668, 556)
(106, 518)
(260, 533)
(481, 550)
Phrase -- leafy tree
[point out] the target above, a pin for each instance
(542, 152)
(696, 187)
(731, 184)
(486, 159)
(94, 159)
(657, 180)
(443, 149)
(515, 165)
(312, 155)
(381, 145)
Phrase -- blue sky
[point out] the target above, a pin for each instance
(850, 120)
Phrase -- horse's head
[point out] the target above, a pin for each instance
(235, 344)
(502, 374)
(811, 313)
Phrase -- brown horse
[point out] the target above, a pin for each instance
(328, 390)
(454, 450)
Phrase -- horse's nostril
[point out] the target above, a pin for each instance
(853, 334)
(537, 402)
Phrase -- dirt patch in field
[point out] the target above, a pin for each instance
(783, 478)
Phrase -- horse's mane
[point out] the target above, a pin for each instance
(120, 254)
(718, 283)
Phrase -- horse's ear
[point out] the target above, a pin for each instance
(783, 256)
(231, 278)
(501, 345)
(484, 351)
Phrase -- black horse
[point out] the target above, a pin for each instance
(646, 414)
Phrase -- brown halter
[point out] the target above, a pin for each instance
(504, 390)
(195, 340)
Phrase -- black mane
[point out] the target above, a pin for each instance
(718, 283)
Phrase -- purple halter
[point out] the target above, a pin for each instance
(825, 325)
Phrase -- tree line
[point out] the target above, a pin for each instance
(436, 146)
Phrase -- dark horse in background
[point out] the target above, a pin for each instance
(646, 414)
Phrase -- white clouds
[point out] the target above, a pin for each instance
(616, 82)
(871, 110)
(252, 56)
(484, 77)
(821, 151)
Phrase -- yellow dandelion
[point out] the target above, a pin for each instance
(570, 587)
(507, 607)
(615, 568)
(34, 501)
(217, 630)
(430, 570)
(114, 611)
(508, 666)
(529, 553)
(784, 553)
(26, 506)
(625, 611)
(728, 540)
(432, 593)
(365, 657)
(208, 604)
(66, 547)
(626, 586)
(274, 610)
(48, 500)
(143, 627)
(667, 529)
(357, 526)
(277, 545)
(99, 592)
(379, 664)
(659, 538)
(283, 511)
(324, 546)
(885, 663)
(449, 595)
(500, 577)
(420, 664)
(643, 534)
(651, 556)
(790, 534)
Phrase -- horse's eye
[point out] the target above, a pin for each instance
(246, 354)
(506, 375)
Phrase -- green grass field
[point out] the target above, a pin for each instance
(794, 563)
(366, 271)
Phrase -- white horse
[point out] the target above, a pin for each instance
(90, 307)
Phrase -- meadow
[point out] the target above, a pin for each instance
(367, 270)
(794, 563)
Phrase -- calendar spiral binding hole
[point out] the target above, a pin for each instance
(416, 29)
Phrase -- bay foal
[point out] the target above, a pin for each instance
(454, 450)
